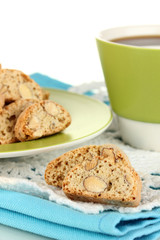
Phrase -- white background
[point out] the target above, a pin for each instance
(57, 37)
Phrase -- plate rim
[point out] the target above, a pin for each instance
(19, 153)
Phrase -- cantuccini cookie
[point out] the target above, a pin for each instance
(8, 118)
(41, 119)
(58, 168)
(107, 179)
(15, 84)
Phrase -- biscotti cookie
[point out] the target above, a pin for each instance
(107, 179)
(41, 119)
(8, 118)
(15, 84)
(58, 168)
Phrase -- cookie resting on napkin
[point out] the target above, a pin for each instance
(101, 174)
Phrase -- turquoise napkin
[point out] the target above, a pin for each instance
(46, 81)
(49, 219)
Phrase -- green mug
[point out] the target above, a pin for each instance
(132, 76)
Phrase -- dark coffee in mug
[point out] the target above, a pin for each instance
(140, 41)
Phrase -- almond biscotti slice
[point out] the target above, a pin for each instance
(8, 118)
(41, 119)
(58, 168)
(106, 179)
(15, 84)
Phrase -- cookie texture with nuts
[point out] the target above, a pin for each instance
(108, 179)
(16, 85)
(41, 119)
(58, 168)
(8, 118)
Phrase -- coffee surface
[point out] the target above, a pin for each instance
(139, 41)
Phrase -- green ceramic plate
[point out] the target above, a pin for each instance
(89, 118)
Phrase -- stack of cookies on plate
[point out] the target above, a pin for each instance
(26, 112)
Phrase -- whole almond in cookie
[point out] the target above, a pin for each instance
(94, 184)
(25, 91)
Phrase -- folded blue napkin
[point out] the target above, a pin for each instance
(49, 219)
